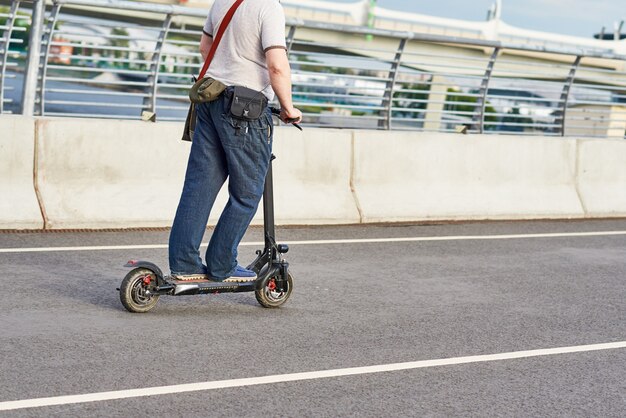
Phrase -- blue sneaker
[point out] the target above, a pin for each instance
(241, 275)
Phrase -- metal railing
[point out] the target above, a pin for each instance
(115, 59)
(14, 21)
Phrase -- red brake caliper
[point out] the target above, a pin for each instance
(147, 280)
(271, 285)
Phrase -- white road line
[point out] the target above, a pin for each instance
(292, 377)
(327, 242)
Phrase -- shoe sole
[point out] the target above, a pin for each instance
(239, 280)
(190, 278)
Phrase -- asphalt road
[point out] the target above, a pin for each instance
(64, 331)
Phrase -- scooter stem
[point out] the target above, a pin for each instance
(268, 207)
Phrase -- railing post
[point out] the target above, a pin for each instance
(393, 75)
(290, 37)
(149, 103)
(4, 53)
(43, 61)
(567, 87)
(29, 94)
(484, 88)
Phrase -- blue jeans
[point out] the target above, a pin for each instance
(222, 147)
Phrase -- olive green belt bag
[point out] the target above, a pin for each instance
(205, 90)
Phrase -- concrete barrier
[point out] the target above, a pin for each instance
(602, 176)
(412, 176)
(123, 174)
(312, 177)
(109, 173)
(117, 174)
(18, 201)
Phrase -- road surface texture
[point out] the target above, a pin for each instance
(483, 319)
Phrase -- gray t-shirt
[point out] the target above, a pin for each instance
(257, 26)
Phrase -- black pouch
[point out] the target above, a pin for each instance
(247, 104)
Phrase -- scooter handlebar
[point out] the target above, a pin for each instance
(276, 111)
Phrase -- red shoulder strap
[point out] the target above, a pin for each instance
(218, 36)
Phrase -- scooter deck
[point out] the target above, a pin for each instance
(195, 287)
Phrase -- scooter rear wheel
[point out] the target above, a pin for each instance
(269, 297)
(135, 290)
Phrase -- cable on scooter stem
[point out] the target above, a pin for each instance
(277, 112)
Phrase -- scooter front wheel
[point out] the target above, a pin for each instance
(135, 291)
(268, 295)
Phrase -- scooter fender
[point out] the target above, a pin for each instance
(268, 271)
(148, 265)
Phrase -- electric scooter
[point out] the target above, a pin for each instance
(142, 287)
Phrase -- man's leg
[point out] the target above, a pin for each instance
(247, 150)
(206, 173)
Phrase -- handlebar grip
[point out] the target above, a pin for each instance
(276, 111)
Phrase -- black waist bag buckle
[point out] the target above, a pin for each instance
(247, 104)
